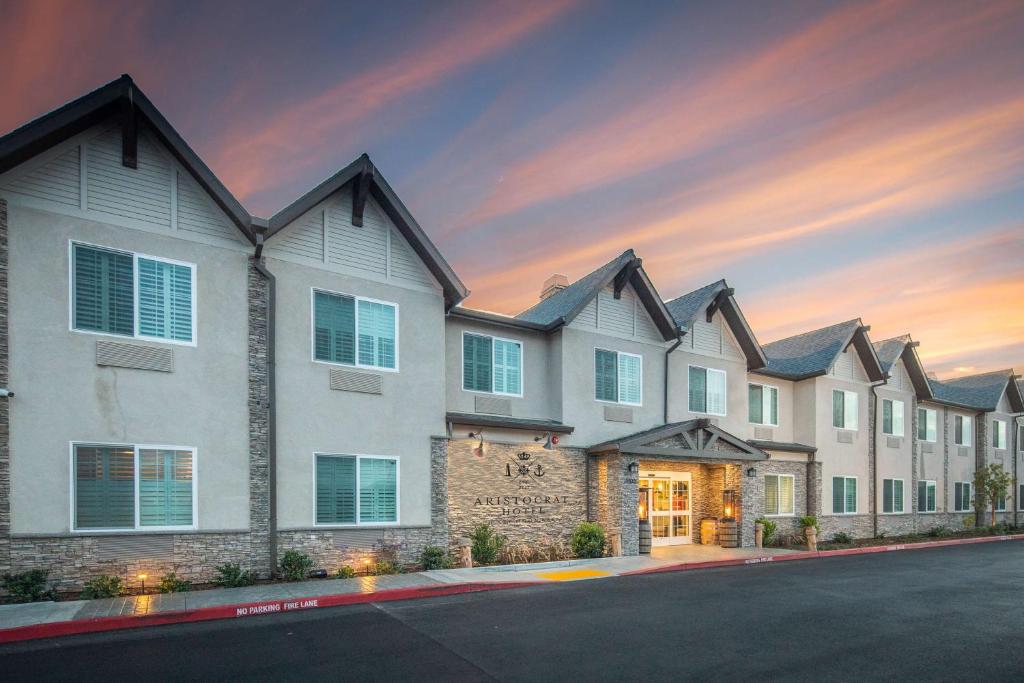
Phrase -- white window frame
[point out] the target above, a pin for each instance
(999, 508)
(856, 413)
(763, 411)
(930, 411)
(725, 395)
(359, 458)
(357, 299)
(856, 503)
(620, 402)
(903, 485)
(903, 418)
(138, 528)
(193, 269)
(522, 365)
(928, 483)
(999, 429)
(1020, 497)
(778, 495)
(967, 431)
(970, 496)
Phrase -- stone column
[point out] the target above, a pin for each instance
(629, 498)
(872, 464)
(915, 447)
(814, 488)
(980, 461)
(259, 424)
(5, 423)
(751, 495)
(945, 461)
(439, 492)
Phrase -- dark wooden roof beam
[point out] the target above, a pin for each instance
(622, 279)
(716, 303)
(129, 132)
(360, 190)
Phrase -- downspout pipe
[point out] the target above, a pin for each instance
(271, 400)
(874, 457)
(679, 340)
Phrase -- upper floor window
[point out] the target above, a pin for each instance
(492, 365)
(122, 293)
(618, 377)
(125, 487)
(351, 330)
(707, 391)
(355, 490)
(999, 434)
(892, 417)
(844, 409)
(927, 425)
(763, 405)
(1020, 438)
(962, 430)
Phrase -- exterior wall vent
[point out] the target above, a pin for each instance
(844, 436)
(764, 434)
(492, 405)
(134, 356)
(618, 414)
(160, 547)
(893, 442)
(359, 382)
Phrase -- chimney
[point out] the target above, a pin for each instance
(932, 375)
(555, 283)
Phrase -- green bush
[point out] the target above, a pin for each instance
(295, 566)
(28, 586)
(938, 532)
(386, 567)
(171, 583)
(768, 531)
(345, 572)
(842, 538)
(103, 586)
(435, 557)
(588, 540)
(810, 521)
(231, 576)
(486, 545)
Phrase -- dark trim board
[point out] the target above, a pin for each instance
(503, 422)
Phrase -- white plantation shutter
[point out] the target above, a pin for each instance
(786, 495)
(376, 334)
(507, 367)
(716, 392)
(378, 490)
(165, 300)
(849, 410)
(771, 494)
(629, 378)
(165, 487)
(897, 418)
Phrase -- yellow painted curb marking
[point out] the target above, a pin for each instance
(571, 574)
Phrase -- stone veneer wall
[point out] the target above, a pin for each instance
(531, 502)
(333, 548)
(259, 423)
(5, 423)
(614, 497)
(753, 497)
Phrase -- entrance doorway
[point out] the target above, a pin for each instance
(668, 505)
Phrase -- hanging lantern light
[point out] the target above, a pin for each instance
(728, 503)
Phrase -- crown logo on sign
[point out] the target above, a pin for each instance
(523, 456)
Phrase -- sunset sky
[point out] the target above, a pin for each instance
(831, 160)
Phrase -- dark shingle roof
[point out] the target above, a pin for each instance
(980, 392)
(568, 301)
(810, 353)
(688, 306)
(890, 350)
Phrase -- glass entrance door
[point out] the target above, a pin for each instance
(668, 503)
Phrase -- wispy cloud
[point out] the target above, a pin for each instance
(257, 154)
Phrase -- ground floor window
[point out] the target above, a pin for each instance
(1001, 503)
(356, 489)
(926, 496)
(778, 494)
(892, 495)
(1020, 497)
(844, 495)
(127, 487)
(962, 496)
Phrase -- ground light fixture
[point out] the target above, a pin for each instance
(142, 578)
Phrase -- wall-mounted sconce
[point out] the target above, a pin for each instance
(633, 467)
(550, 440)
(751, 472)
(480, 450)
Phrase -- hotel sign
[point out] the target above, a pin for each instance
(525, 470)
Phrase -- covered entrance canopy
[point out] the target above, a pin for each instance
(677, 475)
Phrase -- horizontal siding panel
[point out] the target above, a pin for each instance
(848, 366)
(645, 327)
(304, 237)
(707, 336)
(360, 249)
(142, 194)
(197, 213)
(56, 181)
(405, 264)
(615, 315)
(587, 317)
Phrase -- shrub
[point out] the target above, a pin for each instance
(768, 531)
(810, 521)
(938, 532)
(295, 566)
(171, 583)
(968, 521)
(436, 557)
(103, 586)
(28, 586)
(231, 576)
(588, 540)
(486, 545)
(385, 567)
(345, 572)
(842, 538)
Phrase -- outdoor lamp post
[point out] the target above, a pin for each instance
(142, 578)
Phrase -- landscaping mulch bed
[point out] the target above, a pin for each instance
(910, 538)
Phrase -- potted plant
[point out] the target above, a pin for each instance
(809, 523)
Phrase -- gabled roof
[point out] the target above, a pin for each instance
(366, 178)
(718, 296)
(118, 98)
(564, 305)
(695, 439)
(904, 348)
(813, 353)
(979, 392)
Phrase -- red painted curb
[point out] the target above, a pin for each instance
(250, 609)
(807, 555)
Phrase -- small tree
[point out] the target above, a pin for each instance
(990, 483)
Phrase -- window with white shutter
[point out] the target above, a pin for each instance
(763, 404)
(892, 417)
(962, 496)
(892, 495)
(962, 430)
(707, 391)
(618, 377)
(355, 490)
(925, 496)
(352, 330)
(844, 409)
(844, 495)
(492, 365)
(999, 434)
(927, 425)
(778, 494)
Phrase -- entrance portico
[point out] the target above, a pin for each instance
(680, 473)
